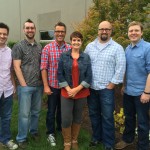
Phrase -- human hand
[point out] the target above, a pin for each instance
(72, 92)
(145, 98)
(110, 86)
(47, 90)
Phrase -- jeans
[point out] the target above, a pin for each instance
(54, 109)
(29, 110)
(71, 111)
(101, 108)
(133, 109)
(5, 118)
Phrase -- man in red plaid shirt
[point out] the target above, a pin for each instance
(49, 66)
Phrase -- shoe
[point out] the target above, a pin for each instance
(1, 146)
(66, 132)
(94, 143)
(23, 145)
(75, 129)
(122, 145)
(35, 137)
(51, 139)
(11, 145)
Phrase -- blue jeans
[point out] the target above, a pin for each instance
(29, 110)
(5, 118)
(133, 109)
(101, 108)
(54, 109)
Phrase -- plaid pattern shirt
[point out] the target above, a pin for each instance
(49, 61)
(108, 63)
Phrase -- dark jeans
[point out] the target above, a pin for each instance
(134, 109)
(5, 118)
(54, 111)
(101, 108)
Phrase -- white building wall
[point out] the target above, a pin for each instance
(44, 13)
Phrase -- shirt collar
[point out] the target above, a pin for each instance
(28, 43)
(137, 44)
(64, 44)
(109, 42)
(69, 53)
(3, 49)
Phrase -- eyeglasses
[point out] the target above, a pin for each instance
(62, 32)
(104, 29)
(27, 28)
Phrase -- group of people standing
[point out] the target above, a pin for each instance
(70, 77)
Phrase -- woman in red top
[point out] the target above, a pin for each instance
(74, 76)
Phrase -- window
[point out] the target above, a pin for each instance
(47, 35)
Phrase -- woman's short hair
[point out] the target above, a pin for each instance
(76, 34)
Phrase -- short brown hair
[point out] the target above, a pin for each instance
(76, 34)
(28, 20)
(135, 23)
(4, 26)
(60, 24)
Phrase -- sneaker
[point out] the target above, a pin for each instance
(51, 139)
(94, 143)
(23, 145)
(122, 145)
(11, 145)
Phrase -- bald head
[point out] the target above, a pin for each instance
(105, 23)
(104, 31)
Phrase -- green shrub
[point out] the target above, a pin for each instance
(43, 44)
(11, 44)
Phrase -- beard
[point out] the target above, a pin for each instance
(29, 36)
(104, 37)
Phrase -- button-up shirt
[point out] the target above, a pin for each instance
(108, 63)
(138, 67)
(30, 56)
(49, 61)
(6, 85)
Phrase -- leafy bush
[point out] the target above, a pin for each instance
(43, 44)
(120, 14)
(11, 44)
(146, 34)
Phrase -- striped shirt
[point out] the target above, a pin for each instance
(6, 85)
(30, 56)
(49, 60)
(108, 63)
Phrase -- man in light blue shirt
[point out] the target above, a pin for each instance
(136, 89)
(108, 68)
